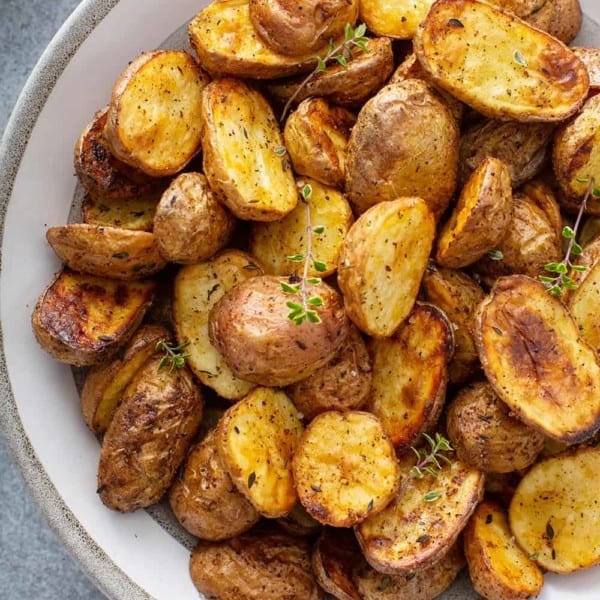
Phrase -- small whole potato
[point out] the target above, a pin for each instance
(485, 435)
(252, 329)
(190, 224)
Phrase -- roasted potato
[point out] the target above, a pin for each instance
(395, 20)
(83, 320)
(240, 142)
(583, 305)
(566, 20)
(342, 384)
(514, 71)
(148, 436)
(554, 514)
(404, 143)
(410, 375)
(260, 565)
(197, 289)
(104, 384)
(522, 147)
(485, 434)
(325, 209)
(252, 329)
(590, 57)
(226, 43)
(457, 295)
(345, 468)
(153, 120)
(106, 251)
(498, 566)
(295, 29)
(348, 86)
(413, 533)
(299, 522)
(256, 439)
(542, 194)
(316, 137)
(204, 499)
(424, 584)
(190, 224)
(480, 218)
(382, 261)
(101, 173)
(533, 356)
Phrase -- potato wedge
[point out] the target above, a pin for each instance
(197, 289)
(240, 142)
(153, 120)
(498, 567)
(259, 565)
(106, 251)
(316, 137)
(382, 261)
(101, 173)
(457, 295)
(295, 29)
(256, 439)
(254, 328)
(412, 534)
(533, 356)
(542, 194)
(513, 71)
(404, 143)
(226, 43)
(326, 207)
(424, 584)
(342, 384)
(554, 514)
(410, 375)
(583, 306)
(83, 320)
(394, 19)
(345, 468)
(190, 224)
(104, 385)
(480, 219)
(148, 436)
(485, 434)
(204, 499)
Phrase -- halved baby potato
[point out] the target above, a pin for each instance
(583, 305)
(394, 19)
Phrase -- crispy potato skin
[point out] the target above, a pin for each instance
(342, 384)
(204, 498)
(154, 113)
(544, 82)
(267, 565)
(295, 29)
(106, 251)
(498, 567)
(590, 57)
(404, 143)
(486, 436)
(83, 320)
(566, 21)
(251, 329)
(423, 584)
(101, 173)
(538, 364)
(104, 384)
(148, 437)
(190, 224)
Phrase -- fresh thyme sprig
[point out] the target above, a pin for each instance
(562, 271)
(342, 53)
(430, 459)
(173, 357)
(304, 310)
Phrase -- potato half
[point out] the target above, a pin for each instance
(394, 19)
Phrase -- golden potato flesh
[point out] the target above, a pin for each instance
(498, 64)
(345, 468)
(535, 359)
(404, 143)
(252, 329)
(583, 306)
(398, 19)
(153, 120)
(555, 515)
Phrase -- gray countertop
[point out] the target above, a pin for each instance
(33, 563)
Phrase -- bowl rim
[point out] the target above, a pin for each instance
(94, 562)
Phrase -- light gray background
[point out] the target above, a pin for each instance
(33, 564)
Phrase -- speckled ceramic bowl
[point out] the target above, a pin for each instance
(129, 556)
